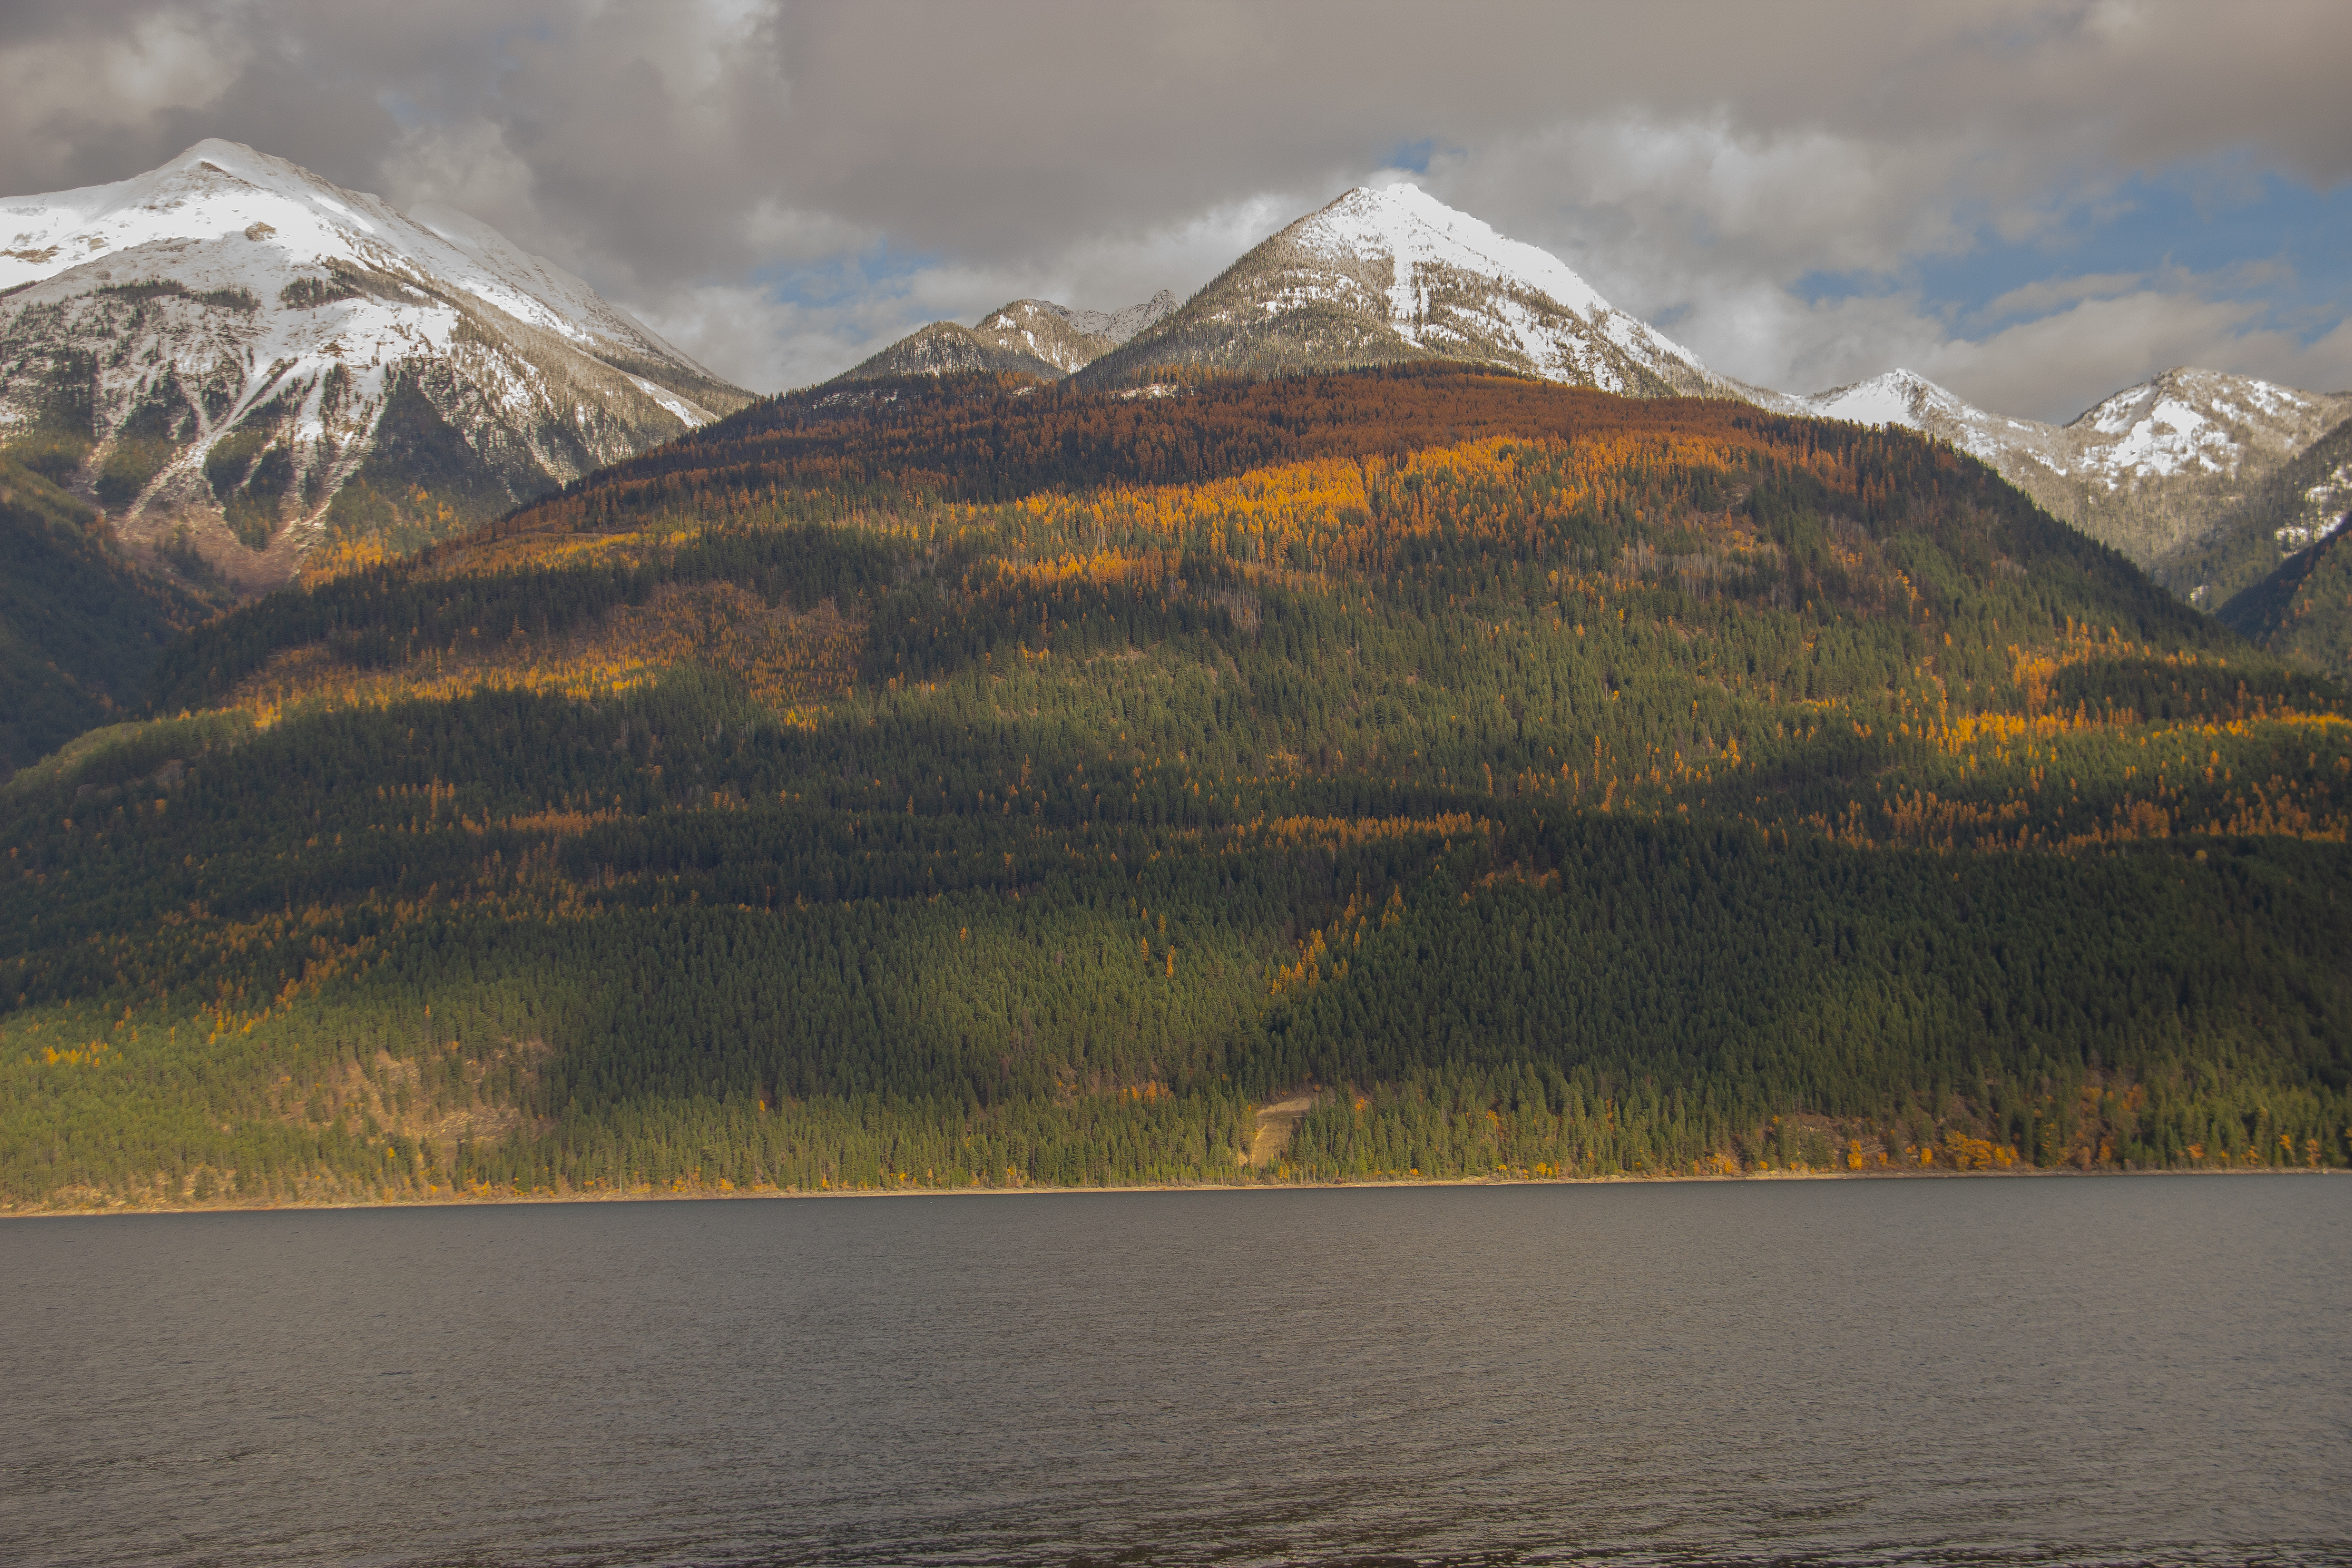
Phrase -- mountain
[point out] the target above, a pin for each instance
(1027, 337)
(2288, 508)
(2161, 471)
(2148, 469)
(949, 348)
(2196, 475)
(2300, 606)
(1116, 327)
(235, 358)
(957, 781)
(1393, 276)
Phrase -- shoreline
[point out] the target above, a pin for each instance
(705, 1194)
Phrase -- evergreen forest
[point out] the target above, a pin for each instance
(81, 627)
(1407, 773)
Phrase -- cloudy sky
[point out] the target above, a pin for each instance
(2034, 204)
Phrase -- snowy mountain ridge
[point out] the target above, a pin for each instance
(240, 360)
(222, 190)
(2144, 469)
(1391, 275)
(1430, 249)
(243, 361)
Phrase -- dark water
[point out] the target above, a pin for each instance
(2124, 1370)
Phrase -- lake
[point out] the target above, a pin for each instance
(2100, 1370)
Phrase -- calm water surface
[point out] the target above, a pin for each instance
(2107, 1370)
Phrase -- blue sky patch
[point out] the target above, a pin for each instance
(879, 271)
(2219, 229)
(1412, 156)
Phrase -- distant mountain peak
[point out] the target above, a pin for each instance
(1117, 326)
(1026, 337)
(1897, 397)
(2170, 471)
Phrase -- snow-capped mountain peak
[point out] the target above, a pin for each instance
(1390, 274)
(2180, 423)
(1407, 225)
(223, 191)
(1906, 398)
(231, 294)
(1896, 397)
(2188, 419)
(2139, 470)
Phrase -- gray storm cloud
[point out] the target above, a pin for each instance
(782, 186)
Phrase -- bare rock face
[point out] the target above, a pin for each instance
(242, 363)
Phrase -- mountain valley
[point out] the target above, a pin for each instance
(2163, 471)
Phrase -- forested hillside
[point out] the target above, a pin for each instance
(79, 627)
(2303, 609)
(2300, 606)
(971, 781)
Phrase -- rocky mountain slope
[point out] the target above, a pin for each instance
(1027, 337)
(236, 358)
(1387, 276)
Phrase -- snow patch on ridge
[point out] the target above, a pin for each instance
(687, 412)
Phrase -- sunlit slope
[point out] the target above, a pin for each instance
(972, 782)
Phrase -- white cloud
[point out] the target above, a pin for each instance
(468, 165)
(2034, 299)
(746, 336)
(109, 79)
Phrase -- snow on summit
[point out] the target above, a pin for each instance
(239, 330)
(232, 355)
(2138, 470)
(218, 193)
(1454, 283)
(1414, 229)
(1391, 274)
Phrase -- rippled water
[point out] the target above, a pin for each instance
(2122, 1369)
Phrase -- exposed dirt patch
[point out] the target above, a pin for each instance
(1275, 1123)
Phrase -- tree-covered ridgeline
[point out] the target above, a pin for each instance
(1553, 793)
